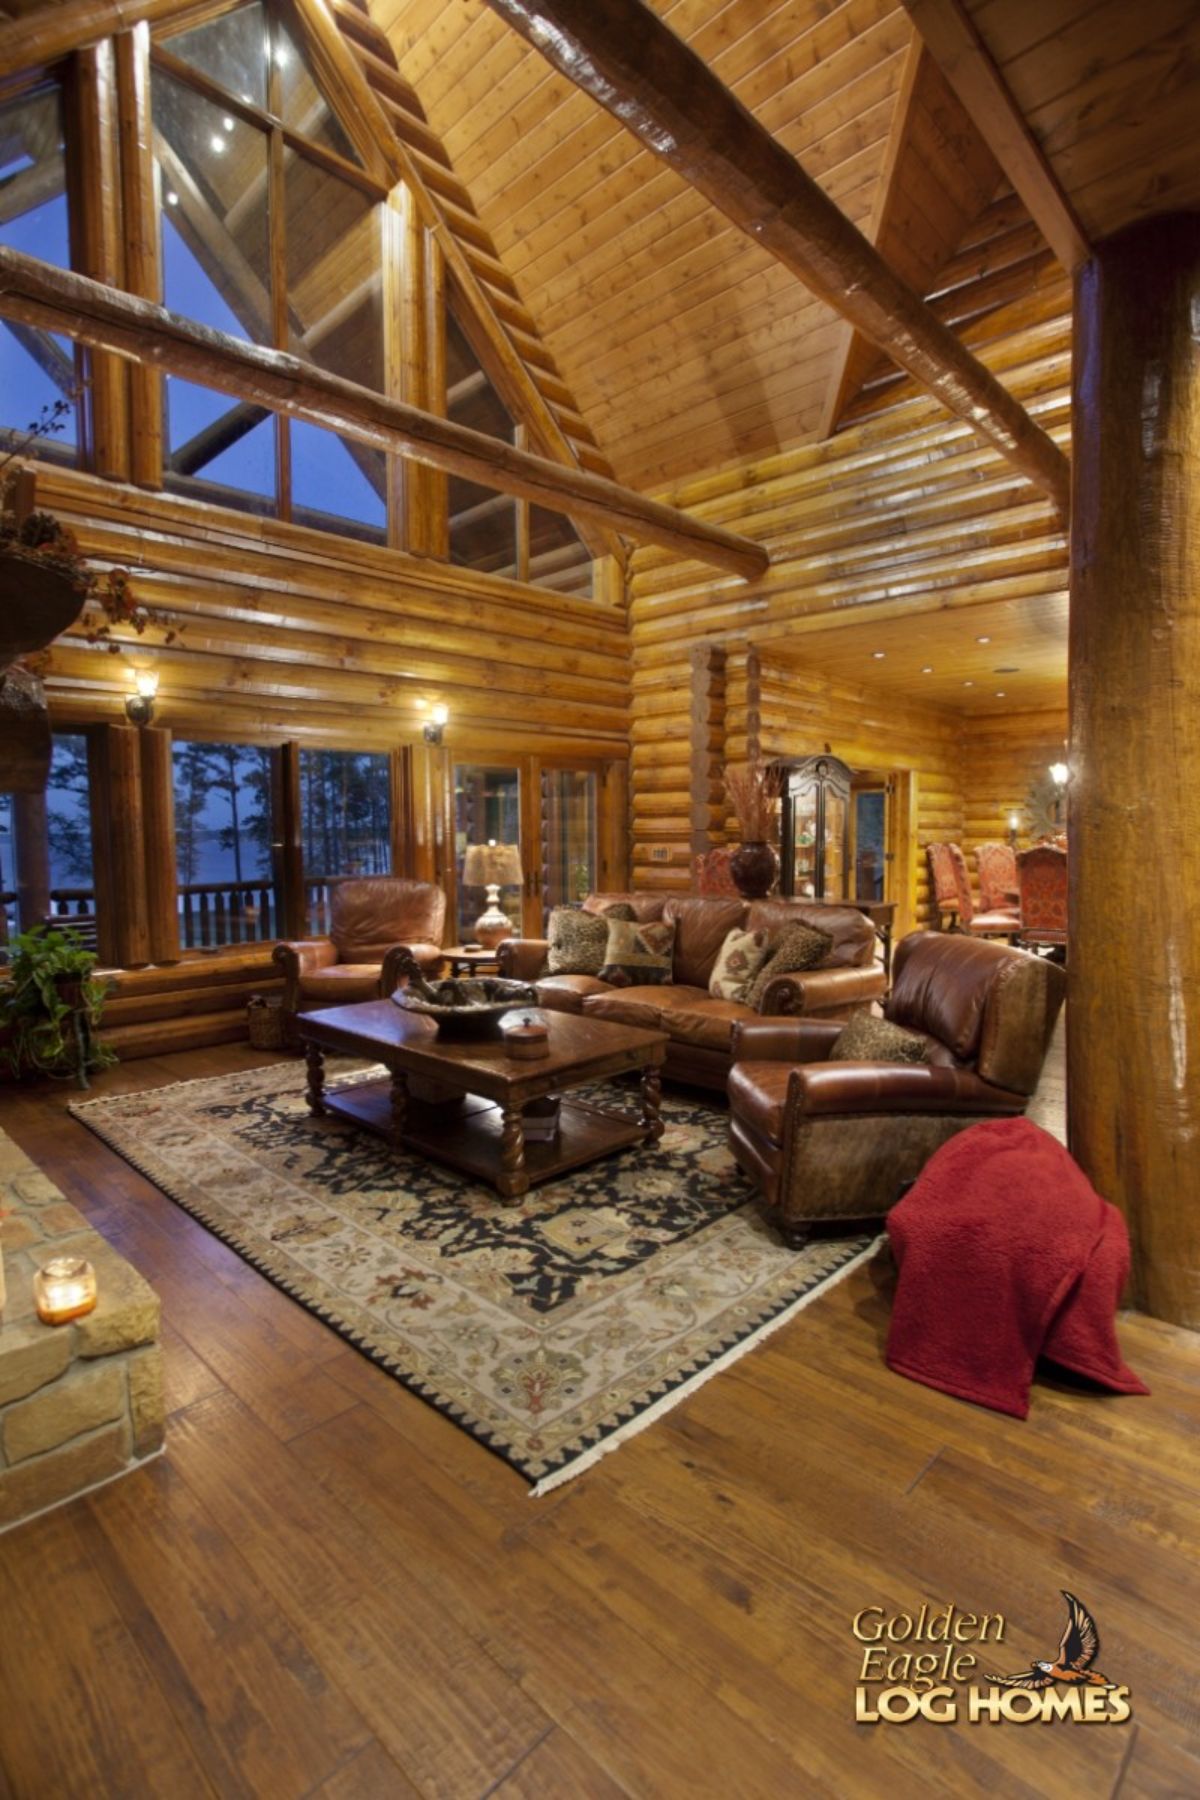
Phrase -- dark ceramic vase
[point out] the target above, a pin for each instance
(754, 868)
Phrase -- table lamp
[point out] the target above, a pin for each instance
(492, 866)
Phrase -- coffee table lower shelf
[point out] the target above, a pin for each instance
(469, 1137)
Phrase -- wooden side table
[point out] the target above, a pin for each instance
(471, 962)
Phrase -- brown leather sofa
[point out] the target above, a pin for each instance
(699, 1025)
(838, 1140)
(372, 917)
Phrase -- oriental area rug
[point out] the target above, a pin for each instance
(551, 1330)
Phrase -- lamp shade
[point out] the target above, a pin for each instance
(488, 865)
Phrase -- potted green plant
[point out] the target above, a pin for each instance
(50, 1007)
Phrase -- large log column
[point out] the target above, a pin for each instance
(1134, 1028)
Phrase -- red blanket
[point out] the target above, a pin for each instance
(1006, 1253)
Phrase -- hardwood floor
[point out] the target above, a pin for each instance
(325, 1588)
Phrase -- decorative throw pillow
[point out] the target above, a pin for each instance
(576, 942)
(798, 947)
(739, 959)
(867, 1039)
(617, 909)
(638, 955)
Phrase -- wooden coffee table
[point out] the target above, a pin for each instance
(468, 1099)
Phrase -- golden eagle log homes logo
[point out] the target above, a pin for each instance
(926, 1667)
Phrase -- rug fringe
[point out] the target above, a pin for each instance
(660, 1407)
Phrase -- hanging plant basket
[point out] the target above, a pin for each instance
(38, 600)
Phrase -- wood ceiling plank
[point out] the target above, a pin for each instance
(664, 95)
(951, 36)
(802, 115)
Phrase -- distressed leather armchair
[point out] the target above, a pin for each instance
(839, 1140)
(373, 918)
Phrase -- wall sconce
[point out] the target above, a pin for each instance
(439, 718)
(139, 707)
(1059, 774)
(1014, 825)
(64, 1289)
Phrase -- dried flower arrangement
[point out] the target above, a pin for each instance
(754, 793)
(39, 537)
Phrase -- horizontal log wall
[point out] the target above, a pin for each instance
(292, 634)
(901, 513)
(199, 1001)
(286, 632)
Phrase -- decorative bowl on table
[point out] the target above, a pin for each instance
(467, 1008)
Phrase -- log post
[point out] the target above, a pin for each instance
(1134, 1014)
(31, 845)
(158, 821)
(118, 846)
(707, 748)
(287, 847)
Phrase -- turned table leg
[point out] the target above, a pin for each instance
(652, 1103)
(514, 1177)
(314, 1058)
(399, 1107)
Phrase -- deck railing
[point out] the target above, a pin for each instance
(211, 913)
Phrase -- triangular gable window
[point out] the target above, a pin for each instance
(37, 368)
(231, 50)
(302, 105)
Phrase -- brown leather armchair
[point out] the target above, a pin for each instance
(838, 1140)
(372, 918)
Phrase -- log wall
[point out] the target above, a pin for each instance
(901, 520)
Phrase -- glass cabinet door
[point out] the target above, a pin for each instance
(833, 848)
(804, 841)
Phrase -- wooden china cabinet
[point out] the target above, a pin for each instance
(816, 829)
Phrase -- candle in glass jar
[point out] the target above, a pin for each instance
(64, 1289)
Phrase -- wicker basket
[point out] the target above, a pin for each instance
(264, 1015)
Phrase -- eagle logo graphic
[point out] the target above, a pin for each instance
(1077, 1652)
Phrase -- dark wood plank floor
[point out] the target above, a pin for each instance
(326, 1589)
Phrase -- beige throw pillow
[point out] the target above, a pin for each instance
(798, 947)
(739, 959)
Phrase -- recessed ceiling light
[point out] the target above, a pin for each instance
(878, 655)
(227, 122)
(968, 684)
(983, 640)
(1000, 695)
(172, 197)
(928, 669)
(216, 144)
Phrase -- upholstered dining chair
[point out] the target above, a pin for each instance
(372, 918)
(1042, 873)
(997, 868)
(984, 923)
(943, 886)
(831, 1140)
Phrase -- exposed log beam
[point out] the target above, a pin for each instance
(50, 32)
(661, 91)
(952, 39)
(59, 300)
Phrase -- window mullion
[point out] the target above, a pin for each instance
(279, 302)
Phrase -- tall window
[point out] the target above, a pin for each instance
(223, 844)
(69, 827)
(270, 232)
(346, 822)
(37, 368)
(491, 531)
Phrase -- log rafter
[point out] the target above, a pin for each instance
(661, 91)
(53, 299)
